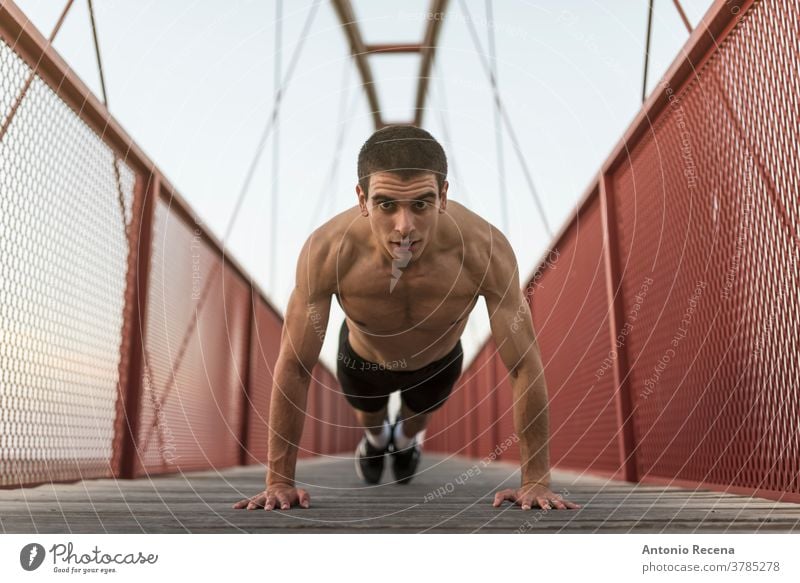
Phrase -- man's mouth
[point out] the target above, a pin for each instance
(407, 246)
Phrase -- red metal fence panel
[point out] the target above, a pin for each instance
(504, 424)
(570, 315)
(264, 349)
(485, 405)
(196, 349)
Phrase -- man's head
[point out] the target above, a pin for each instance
(402, 187)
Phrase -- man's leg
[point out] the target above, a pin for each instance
(366, 395)
(406, 453)
(376, 425)
(410, 424)
(372, 422)
(369, 456)
(419, 400)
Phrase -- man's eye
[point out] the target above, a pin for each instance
(386, 206)
(421, 205)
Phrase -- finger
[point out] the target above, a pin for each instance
(543, 503)
(502, 495)
(270, 502)
(255, 502)
(305, 499)
(558, 504)
(242, 503)
(571, 505)
(283, 499)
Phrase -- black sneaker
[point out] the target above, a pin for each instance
(405, 461)
(369, 461)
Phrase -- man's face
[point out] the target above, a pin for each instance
(403, 214)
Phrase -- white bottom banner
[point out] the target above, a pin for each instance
(401, 558)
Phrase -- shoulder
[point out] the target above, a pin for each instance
(488, 255)
(327, 251)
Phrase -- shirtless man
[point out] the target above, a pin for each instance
(407, 267)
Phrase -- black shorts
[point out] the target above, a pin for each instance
(367, 385)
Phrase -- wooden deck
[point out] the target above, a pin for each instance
(444, 498)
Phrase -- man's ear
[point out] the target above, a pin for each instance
(362, 201)
(443, 196)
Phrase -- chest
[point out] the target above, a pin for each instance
(386, 301)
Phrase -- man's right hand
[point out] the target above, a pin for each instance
(282, 496)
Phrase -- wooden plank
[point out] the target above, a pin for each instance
(442, 498)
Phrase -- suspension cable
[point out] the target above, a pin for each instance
(336, 165)
(647, 48)
(276, 82)
(498, 127)
(117, 174)
(342, 118)
(438, 78)
(272, 119)
(505, 117)
(97, 54)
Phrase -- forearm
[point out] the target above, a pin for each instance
(532, 425)
(286, 419)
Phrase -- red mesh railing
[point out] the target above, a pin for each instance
(576, 350)
(195, 352)
(264, 349)
(668, 325)
(62, 285)
(129, 344)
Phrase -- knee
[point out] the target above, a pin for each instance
(370, 419)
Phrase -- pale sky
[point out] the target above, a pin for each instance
(192, 83)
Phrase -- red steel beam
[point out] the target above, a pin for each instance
(616, 303)
(358, 50)
(126, 427)
(435, 19)
(248, 372)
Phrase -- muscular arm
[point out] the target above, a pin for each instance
(301, 341)
(512, 331)
(290, 387)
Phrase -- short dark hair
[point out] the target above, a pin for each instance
(403, 150)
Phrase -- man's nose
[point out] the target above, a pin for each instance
(404, 223)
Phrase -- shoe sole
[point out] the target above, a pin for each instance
(409, 478)
(359, 473)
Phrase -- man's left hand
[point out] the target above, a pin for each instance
(533, 495)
